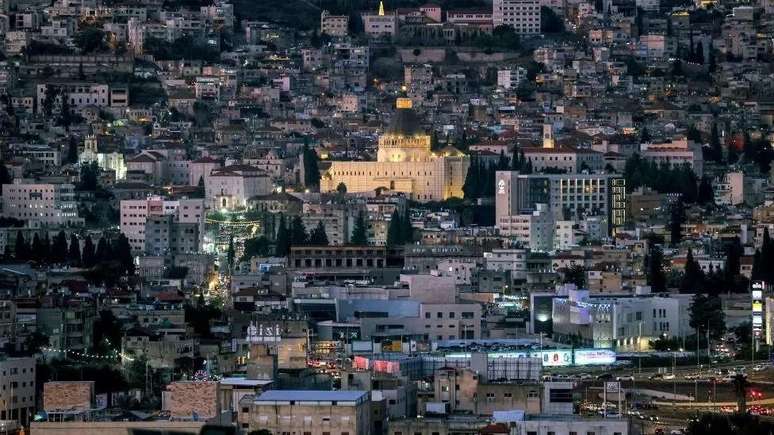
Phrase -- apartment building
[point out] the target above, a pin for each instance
(17, 389)
(334, 25)
(186, 221)
(41, 205)
(308, 412)
(522, 15)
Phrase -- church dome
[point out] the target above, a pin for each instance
(405, 122)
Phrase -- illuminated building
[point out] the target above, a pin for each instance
(404, 163)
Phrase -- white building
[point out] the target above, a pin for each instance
(620, 322)
(511, 77)
(534, 230)
(675, 153)
(107, 161)
(41, 205)
(730, 189)
(522, 15)
(135, 212)
(512, 260)
(230, 187)
(17, 389)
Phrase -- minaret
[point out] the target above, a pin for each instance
(381, 8)
(548, 135)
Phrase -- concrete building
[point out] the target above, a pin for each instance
(17, 389)
(310, 412)
(510, 78)
(466, 390)
(166, 235)
(230, 187)
(334, 25)
(135, 214)
(381, 24)
(620, 322)
(729, 190)
(675, 153)
(569, 196)
(41, 205)
(404, 164)
(533, 230)
(522, 15)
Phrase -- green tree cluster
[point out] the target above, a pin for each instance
(360, 231)
(400, 231)
(662, 178)
(706, 312)
(311, 168)
(763, 261)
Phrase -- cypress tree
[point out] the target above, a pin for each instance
(74, 251)
(59, 247)
(282, 242)
(88, 255)
(21, 250)
(394, 230)
(123, 253)
(360, 232)
(406, 230)
(318, 237)
(103, 250)
(38, 251)
(298, 234)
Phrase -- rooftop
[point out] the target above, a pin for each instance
(311, 396)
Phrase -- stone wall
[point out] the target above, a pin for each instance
(68, 395)
(186, 398)
(112, 428)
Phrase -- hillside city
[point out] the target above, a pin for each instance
(386, 217)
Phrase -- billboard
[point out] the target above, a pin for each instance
(757, 307)
(586, 357)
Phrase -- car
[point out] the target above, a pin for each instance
(669, 376)
(625, 378)
(759, 367)
(585, 377)
(656, 376)
(604, 377)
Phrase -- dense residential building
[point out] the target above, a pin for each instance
(522, 15)
(41, 204)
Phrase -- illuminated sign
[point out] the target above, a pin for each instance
(585, 357)
(757, 307)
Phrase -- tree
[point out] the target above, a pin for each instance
(575, 275)
(298, 235)
(550, 22)
(311, 168)
(282, 242)
(654, 269)
(716, 150)
(230, 253)
(471, 186)
(394, 230)
(123, 254)
(5, 176)
(74, 251)
(705, 196)
(103, 250)
(706, 312)
(89, 177)
(360, 232)
(693, 277)
(90, 39)
(88, 257)
(676, 222)
(38, 251)
(318, 237)
(406, 229)
(72, 151)
(341, 189)
(256, 247)
(59, 248)
(21, 250)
